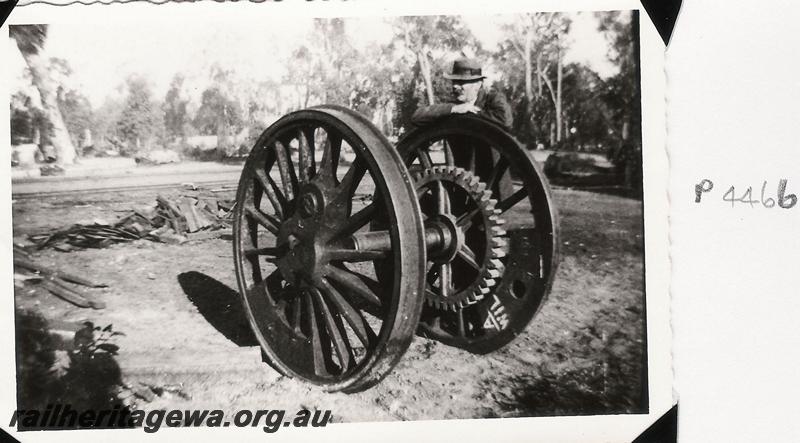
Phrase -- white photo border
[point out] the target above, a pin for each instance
(656, 226)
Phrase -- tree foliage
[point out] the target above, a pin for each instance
(532, 52)
(321, 65)
(557, 104)
(218, 114)
(138, 123)
(176, 117)
(428, 42)
(30, 38)
(78, 116)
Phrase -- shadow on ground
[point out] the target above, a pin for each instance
(220, 306)
(587, 390)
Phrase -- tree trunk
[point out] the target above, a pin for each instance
(539, 75)
(529, 70)
(559, 77)
(425, 69)
(59, 136)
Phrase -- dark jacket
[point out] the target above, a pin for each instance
(493, 106)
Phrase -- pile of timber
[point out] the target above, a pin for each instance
(188, 217)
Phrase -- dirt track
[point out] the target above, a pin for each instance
(183, 325)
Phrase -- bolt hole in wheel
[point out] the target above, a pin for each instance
(312, 191)
(471, 170)
(518, 289)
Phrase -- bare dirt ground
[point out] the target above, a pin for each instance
(184, 326)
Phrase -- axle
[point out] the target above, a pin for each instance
(443, 238)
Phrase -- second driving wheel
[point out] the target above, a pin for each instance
(475, 178)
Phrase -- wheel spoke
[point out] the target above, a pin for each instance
(353, 317)
(448, 153)
(316, 342)
(445, 279)
(430, 294)
(465, 221)
(515, 198)
(297, 310)
(472, 161)
(263, 219)
(305, 158)
(347, 187)
(330, 155)
(499, 169)
(274, 194)
(425, 158)
(358, 284)
(288, 175)
(468, 256)
(261, 287)
(356, 221)
(442, 199)
(422, 191)
(269, 251)
(340, 344)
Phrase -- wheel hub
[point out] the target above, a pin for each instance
(304, 236)
(452, 238)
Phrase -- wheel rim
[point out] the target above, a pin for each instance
(530, 229)
(317, 311)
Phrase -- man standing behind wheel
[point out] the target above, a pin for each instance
(470, 96)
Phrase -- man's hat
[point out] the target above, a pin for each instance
(465, 69)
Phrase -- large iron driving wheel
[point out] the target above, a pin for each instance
(487, 286)
(305, 249)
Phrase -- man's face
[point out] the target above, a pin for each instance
(466, 91)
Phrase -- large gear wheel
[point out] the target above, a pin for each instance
(457, 203)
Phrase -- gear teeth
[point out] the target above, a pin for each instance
(486, 199)
(498, 231)
(496, 268)
(496, 246)
(499, 242)
(499, 247)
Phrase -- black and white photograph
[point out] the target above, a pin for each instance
(348, 218)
